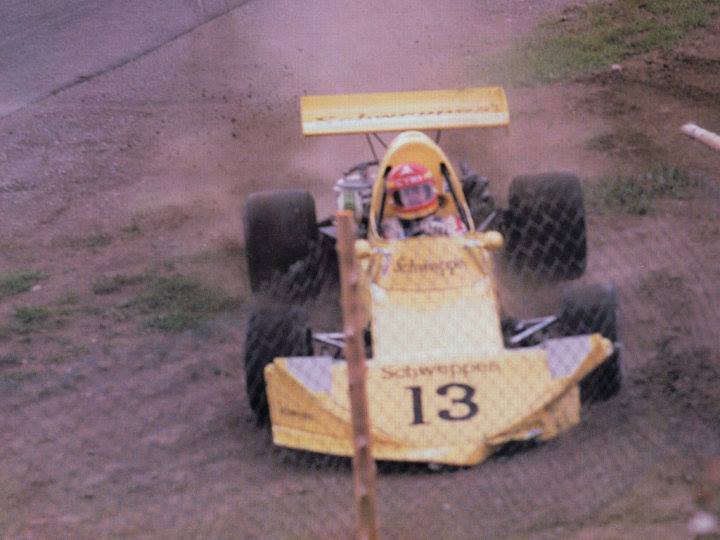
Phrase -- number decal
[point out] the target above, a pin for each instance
(466, 400)
(445, 414)
(417, 405)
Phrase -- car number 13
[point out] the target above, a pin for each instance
(460, 395)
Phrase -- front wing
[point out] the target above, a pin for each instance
(450, 411)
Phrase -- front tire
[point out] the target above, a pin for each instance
(272, 332)
(594, 309)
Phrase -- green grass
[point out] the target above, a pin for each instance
(68, 299)
(95, 240)
(31, 314)
(635, 194)
(67, 353)
(90, 242)
(227, 250)
(132, 228)
(10, 359)
(30, 319)
(592, 37)
(659, 283)
(625, 142)
(70, 384)
(15, 377)
(13, 283)
(113, 284)
(602, 143)
(176, 303)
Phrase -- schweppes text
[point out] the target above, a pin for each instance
(406, 265)
(413, 372)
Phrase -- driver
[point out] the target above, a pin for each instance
(411, 191)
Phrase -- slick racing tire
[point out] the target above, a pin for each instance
(280, 229)
(544, 226)
(272, 332)
(594, 309)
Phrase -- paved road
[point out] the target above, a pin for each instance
(46, 46)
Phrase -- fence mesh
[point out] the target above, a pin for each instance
(477, 429)
(470, 348)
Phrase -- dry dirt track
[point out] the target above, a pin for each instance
(108, 431)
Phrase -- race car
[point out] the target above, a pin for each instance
(450, 379)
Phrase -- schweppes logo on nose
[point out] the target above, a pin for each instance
(406, 265)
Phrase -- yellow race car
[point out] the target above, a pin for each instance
(449, 378)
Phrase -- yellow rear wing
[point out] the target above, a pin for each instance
(400, 111)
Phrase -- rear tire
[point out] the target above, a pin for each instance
(272, 332)
(594, 309)
(544, 226)
(280, 229)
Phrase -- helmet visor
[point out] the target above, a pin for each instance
(416, 196)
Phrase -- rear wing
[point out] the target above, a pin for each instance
(401, 111)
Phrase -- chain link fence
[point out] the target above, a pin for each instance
(493, 411)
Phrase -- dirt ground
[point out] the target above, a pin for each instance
(112, 428)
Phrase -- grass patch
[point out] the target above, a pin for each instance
(659, 283)
(635, 194)
(14, 379)
(601, 143)
(30, 319)
(70, 352)
(95, 240)
(68, 385)
(132, 228)
(226, 251)
(10, 359)
(30, 315)
(91, 242)
(14, 283)
(591, 37)
(68, 299)
(17, 377)
(624, 142)
(176, 303)
(113, 284)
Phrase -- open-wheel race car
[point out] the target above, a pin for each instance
(450, 378)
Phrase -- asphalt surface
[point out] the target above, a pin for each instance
(48, 46)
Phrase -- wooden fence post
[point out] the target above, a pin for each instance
(363, 463)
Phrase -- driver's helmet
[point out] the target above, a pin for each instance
(411, 189)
